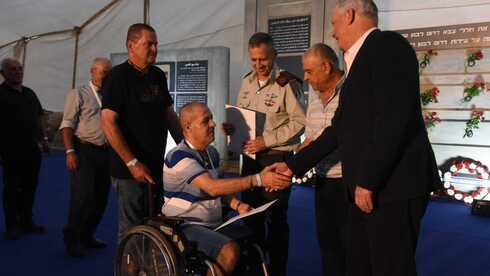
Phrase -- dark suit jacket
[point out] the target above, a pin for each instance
(378, 126)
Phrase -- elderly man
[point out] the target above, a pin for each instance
(388, 164)
(137, 112)
(277, 93)
(194, 191)
(87, 159)
(321, 67)
(21, 120)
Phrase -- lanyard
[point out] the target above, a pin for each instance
(92, 87)
(202, 156)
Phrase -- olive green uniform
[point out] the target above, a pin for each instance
(280, 98)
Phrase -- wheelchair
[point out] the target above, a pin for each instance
(158, 248)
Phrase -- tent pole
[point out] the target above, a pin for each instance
(97, 14)
(24, 51)
(146, 11)
(10, 43)
(75, 56)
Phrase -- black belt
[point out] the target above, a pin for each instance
(275, 152)
(104, 146)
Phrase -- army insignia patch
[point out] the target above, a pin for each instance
(269, 102)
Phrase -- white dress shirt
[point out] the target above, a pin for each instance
(350, 54)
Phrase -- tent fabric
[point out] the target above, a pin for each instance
(49, 60)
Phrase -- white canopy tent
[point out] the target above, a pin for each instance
(34, 27)
(43, 35)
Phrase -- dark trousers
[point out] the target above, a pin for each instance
(136, 202)
(90, 185)
(20, 180)
(383, 243)
(331, 209)
(270, 227)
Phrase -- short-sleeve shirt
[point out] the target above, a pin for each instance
(182, 165)
(319, 117)
(20, 113)
(140, 100)
(82, 113)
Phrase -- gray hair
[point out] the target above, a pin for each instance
(6, 62)
(100, 60)
(324, 52)
(365, 7)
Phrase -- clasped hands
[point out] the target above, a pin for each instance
(363, 197)
(278, 176)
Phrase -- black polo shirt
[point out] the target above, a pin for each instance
(20, 113)
(140, 99)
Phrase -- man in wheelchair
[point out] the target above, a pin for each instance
(194, 191)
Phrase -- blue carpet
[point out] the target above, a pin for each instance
(452, 241)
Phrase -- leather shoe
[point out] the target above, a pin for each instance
(75, 250)
(33, 228)
(94, 243)
(13, 233)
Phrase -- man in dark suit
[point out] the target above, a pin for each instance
(387, 161)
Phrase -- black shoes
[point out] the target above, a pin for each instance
(75, 250)
(94, 243)
(33, 228)
(13, 233)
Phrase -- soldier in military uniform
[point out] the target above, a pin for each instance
(278, 94)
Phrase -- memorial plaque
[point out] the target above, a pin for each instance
(192, 76)
(291, 34)
(449, 37)
(183, 98)
(169, 69)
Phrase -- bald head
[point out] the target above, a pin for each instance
(189, 113)
(6, 62)
(197, 124)
(13, 72)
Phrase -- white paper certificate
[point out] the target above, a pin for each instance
(250, 213)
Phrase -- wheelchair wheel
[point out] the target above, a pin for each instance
(144, 251)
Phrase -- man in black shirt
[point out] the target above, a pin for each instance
(137, 111)
(20, 118)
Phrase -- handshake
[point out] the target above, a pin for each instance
(276, 177)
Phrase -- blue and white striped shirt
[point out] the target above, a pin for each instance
(182, 165)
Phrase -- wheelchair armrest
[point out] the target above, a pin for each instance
(169, 221)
